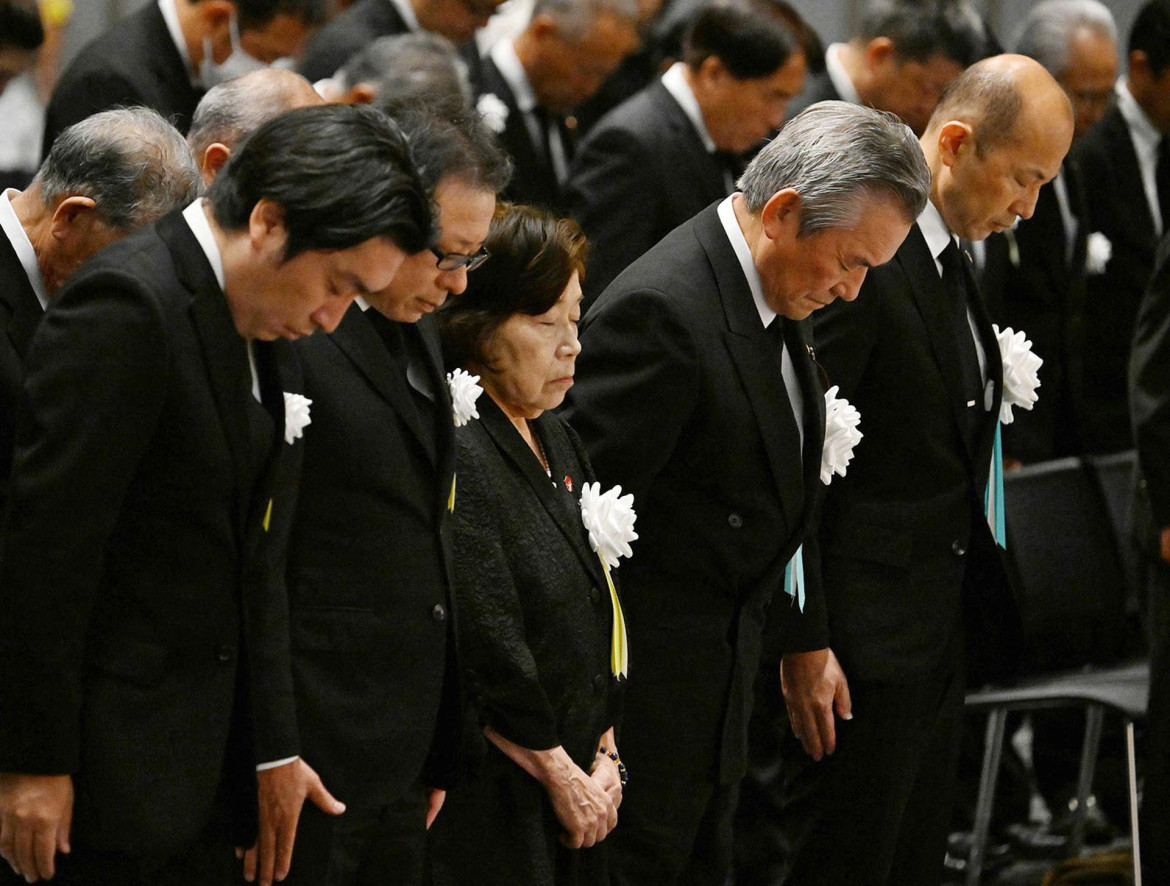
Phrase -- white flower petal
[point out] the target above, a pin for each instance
(465, 390)
(1098, 251)
(609, 520)
(493, 111)
(841, 435)
(1020, 368)
(296, 416)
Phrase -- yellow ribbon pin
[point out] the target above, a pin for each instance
(619, 656)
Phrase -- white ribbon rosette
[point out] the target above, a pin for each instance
(1098, 251)
(296, 416)
(841, 435)
(465, 390)
(493, 111)
(1020, 366)
(609, 519)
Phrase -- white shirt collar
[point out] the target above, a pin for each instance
(743, 252)
(408, 14)
(201, 228)
(676, 84)
(839, 77)
(1146, 139)
(171, 16)
(1135, 118)
(935, 232)
(23, 247)
(508, 63)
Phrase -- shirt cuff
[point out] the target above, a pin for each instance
(260, 767)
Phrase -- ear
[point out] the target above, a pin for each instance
(711, 70)
(542, 26)
(215, 14)
(781, 214)
(358, 94)
(73, 217)
(266, 231)
(879, 52)
(954, 137)
(1139, 66)
(213, 159)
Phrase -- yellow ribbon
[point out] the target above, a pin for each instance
(451, 497)
(268, 515)
(619, 656)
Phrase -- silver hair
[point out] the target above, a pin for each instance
(410, 67)
(836, 155)
(230, 111)
(131, 162)
(574, 18)
(1049, 27)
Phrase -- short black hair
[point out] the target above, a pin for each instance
(254, 14)
(342, 174)
(20, 25)
(454, 145)
(1151, 34)
(920, 29)
(752, 38)
(534, 254)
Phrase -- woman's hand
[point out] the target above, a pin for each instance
(582, 805)
(605, 769)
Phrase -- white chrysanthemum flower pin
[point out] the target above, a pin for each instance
(493, 111)
(1098, 251)
(841, 435)
(465, 390)
(1020, 367)
(609, 519)
(296, 416)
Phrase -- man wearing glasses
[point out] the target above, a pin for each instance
(370, 614)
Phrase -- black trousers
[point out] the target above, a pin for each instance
(364, 846)
(1154, 816)
(877, 812)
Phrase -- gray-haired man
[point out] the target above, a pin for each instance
(698, 393)
(106, 176)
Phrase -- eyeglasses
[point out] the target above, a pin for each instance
(453, 261)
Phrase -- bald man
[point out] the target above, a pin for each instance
(913, 580)
(231, 111)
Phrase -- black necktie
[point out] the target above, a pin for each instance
(1162, 178)
(956, 287)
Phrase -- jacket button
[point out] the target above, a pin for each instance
(735, 521)
(223, 654)
(439, 613)
(595, 596)
(958, 549)
(599, 683)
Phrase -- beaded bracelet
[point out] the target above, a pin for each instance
(623, 773)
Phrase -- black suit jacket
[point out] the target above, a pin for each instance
(1031, 283)
(135, 62)
(368, 562)
(138, 568)
(534, 181)
(20, 312)
(817, 88)
(349, 32)
(680, 400)
(640, 173)
(1150, 403)
(905, 545)
(1117, 207)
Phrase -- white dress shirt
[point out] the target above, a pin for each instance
(676, 84)
(1146, 138)
(23, 247)
(838, 76)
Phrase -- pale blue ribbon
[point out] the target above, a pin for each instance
(993, 497)
(794, 577)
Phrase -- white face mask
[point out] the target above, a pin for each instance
(237, 64)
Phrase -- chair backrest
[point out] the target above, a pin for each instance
(1063, 552)
(1116, 475)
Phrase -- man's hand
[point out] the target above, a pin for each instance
(814, 685)
(283, 791)
(35, 814)
(1166, 544)
(435, 800)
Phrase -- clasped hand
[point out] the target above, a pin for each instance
(36, 812)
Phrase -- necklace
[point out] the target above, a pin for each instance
(539, 449)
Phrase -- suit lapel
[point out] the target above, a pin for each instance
(757, 361)
(225, 353)
(428, 332)
(23, 306)
(702, 170)
(363, 345)
(516, 139)
(798, 338)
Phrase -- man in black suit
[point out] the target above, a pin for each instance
(1034, 275)
(529, 86)
(1127, 186)
(143, 617)
(668, 152)
(377, 688)
(903, 55)
(697, 392)
(110, 175)
(366, 20)
(911, 573)
(168, 52)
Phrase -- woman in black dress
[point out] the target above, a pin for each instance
(538, 635)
